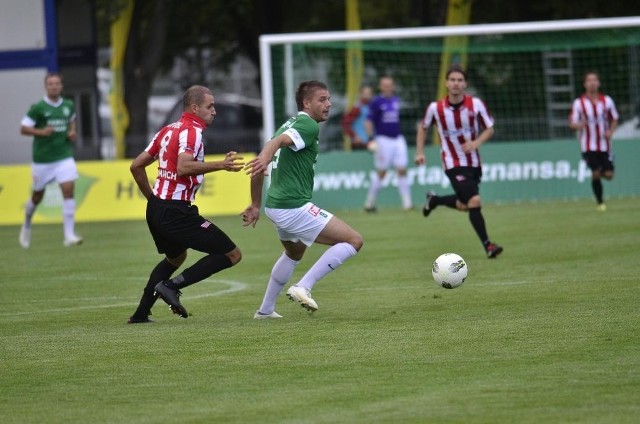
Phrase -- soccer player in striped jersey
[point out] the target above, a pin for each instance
(464, 124)
(595, 117)
(292, 154)
(51, 123)
(174, 222)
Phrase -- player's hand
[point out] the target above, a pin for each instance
(372, 146)
(72, 135)
(250, 216)
(470, 146)
(46, 131)
(420, 159)
(257, 166)
(231, 162)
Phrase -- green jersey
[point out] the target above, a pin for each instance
(293, 167)
(56, 146)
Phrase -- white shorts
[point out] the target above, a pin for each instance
(301, 224)
(392, 152)
(61, 171)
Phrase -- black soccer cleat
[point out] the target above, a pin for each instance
(138, 320)
(493, 250)
(172, 298)
(428, 205)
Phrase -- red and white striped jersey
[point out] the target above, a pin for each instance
(598, 117)
(182, 136)
(457, 126)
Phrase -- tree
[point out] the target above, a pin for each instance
(163, 30)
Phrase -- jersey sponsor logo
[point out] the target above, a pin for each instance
(167, 175)
(314, 210)
(457, 132)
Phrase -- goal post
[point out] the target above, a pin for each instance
(528, 73)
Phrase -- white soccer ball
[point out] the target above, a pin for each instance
(449, 270)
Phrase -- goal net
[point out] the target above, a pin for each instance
(528, 73)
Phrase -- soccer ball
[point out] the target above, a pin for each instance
(449, 270)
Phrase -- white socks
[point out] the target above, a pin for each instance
(68, 217)
(29, 210)
(329, 261)
(405, 194)
(280, 274)
(372, 196)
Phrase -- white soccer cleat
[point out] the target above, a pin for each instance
(303, 297)
(72, 241)
(273, 314)
(25, 237)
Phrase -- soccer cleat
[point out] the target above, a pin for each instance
(172, 298)
(493, 250)
(303, 297)
(370, 209)
(428, 205)
(25, 237)
(259, 315)
(138, 320)
(74, 240)
(601, 207)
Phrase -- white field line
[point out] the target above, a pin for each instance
(233, 287)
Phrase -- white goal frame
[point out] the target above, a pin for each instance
(287, 40)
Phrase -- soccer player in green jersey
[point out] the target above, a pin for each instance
(292, 154)
(51, 123)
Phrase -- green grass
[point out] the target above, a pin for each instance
(548, 332)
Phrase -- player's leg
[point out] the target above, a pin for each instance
(450, 200)
(345, 243)
(400, 162)
(374, 188)
(41, 175)
(468, 192)
(593, 163)
(183, 226)
(66, 173)
(280, 276)
(606, 171)
(381, 162)
(162, 271)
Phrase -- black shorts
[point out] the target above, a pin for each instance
(177, 226)
(465, 181)
(599, 161)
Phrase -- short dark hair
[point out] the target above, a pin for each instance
(52, 75)
(591, 72)
(194, 95)
(306, 89)
(456, 67)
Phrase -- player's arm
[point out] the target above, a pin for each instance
(251, 214)
(485, 135)
(260, 164)
(421, 134)
(420, 139)
(71, 132)
(575, 123)
(28, 127)
(613, 124)
(138, 170)
(188, 166)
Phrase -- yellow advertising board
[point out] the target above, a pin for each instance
(106, 191)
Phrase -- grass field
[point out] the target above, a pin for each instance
(547, 333)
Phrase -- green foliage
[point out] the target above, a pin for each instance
(545, 333)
